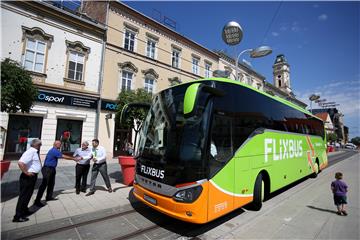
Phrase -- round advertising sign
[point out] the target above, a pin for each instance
(232, 33)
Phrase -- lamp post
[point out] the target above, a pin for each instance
(312, 98)
(261, 51)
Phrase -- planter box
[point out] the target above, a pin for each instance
(4, 167)
(128, 169)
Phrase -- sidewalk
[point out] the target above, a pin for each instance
(69, 204)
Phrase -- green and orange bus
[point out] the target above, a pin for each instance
(211, 146)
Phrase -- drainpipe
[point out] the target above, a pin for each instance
(101, 78)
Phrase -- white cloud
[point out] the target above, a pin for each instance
(345, 93)
(323, 17)
(275, 34)
(295, 27)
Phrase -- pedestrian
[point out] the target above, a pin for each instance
(339, 189)
(49, 171)
(130, 148)
(99, 158)
(30, 165)
(84, 155)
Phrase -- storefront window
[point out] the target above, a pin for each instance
(69, 133)
(21, 131)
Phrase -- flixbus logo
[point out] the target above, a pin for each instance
(282, 148)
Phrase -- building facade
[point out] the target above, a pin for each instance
(245, 73)
(141, 53)
(62, 52)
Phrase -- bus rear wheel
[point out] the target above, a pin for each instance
(259, 193)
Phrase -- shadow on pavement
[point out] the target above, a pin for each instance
(176, 226)
(117, 176)
(11, 190)
(322, 209)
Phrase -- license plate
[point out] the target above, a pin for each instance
(150, 199)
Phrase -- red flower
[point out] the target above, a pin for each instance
(22, 139)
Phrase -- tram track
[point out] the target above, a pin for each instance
(82, 228)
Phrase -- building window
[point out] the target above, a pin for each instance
(77, 54)
(149, 85)
(129, 43)
(36, 43)
(34, 55)
(151, 48)
(76, 66)
(127, 78)
(195, 66)
(21, 131)
(175, 62)
(207, 70)
(69, 132)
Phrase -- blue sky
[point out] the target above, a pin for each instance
(319, 39)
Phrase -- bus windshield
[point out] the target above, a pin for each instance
(171, 143)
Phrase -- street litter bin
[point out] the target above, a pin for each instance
(127, 164)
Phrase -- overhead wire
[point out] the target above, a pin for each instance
(271, 22)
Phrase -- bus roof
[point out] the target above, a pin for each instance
(276, 98)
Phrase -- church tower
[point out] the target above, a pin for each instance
(281, 74)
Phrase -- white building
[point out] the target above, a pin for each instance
(63, 53)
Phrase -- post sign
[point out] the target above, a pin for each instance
(232, 33)
(56, 98)
(108, 105)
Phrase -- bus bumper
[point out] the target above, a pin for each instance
(195, 212)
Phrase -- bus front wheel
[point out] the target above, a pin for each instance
(259, 193)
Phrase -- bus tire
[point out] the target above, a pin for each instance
(259, 193)
(317, 170)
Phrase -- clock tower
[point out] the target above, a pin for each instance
(281, 73)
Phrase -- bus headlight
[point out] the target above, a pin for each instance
(188, 195)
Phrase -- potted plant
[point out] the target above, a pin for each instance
(132, 109)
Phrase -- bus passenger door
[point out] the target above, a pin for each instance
(221, 168)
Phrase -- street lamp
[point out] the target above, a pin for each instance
(261, 51)
(312, 98)
(232, 34)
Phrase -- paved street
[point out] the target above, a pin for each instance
(304, 211)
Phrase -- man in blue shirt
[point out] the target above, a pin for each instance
(49, 171)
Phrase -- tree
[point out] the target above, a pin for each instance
(134, 117)
(331, 137)
(356, 141)
(17, 89)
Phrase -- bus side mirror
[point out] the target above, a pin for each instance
(192, 95)
(130, 106)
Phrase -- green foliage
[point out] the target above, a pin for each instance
(331, 137)
(17, 89)
(356, 141)
(132, 96)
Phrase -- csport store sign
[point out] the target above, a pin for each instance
(54, 98)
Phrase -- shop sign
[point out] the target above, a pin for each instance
(108, 105)
(54, 98)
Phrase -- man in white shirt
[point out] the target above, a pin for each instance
(99, 158)
(30, 166)
(83, 155)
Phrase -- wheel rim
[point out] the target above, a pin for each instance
(316, 168)
(262, 191)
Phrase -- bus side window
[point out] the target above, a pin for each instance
(220, 149)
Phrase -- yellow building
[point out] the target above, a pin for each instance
(141, 53)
